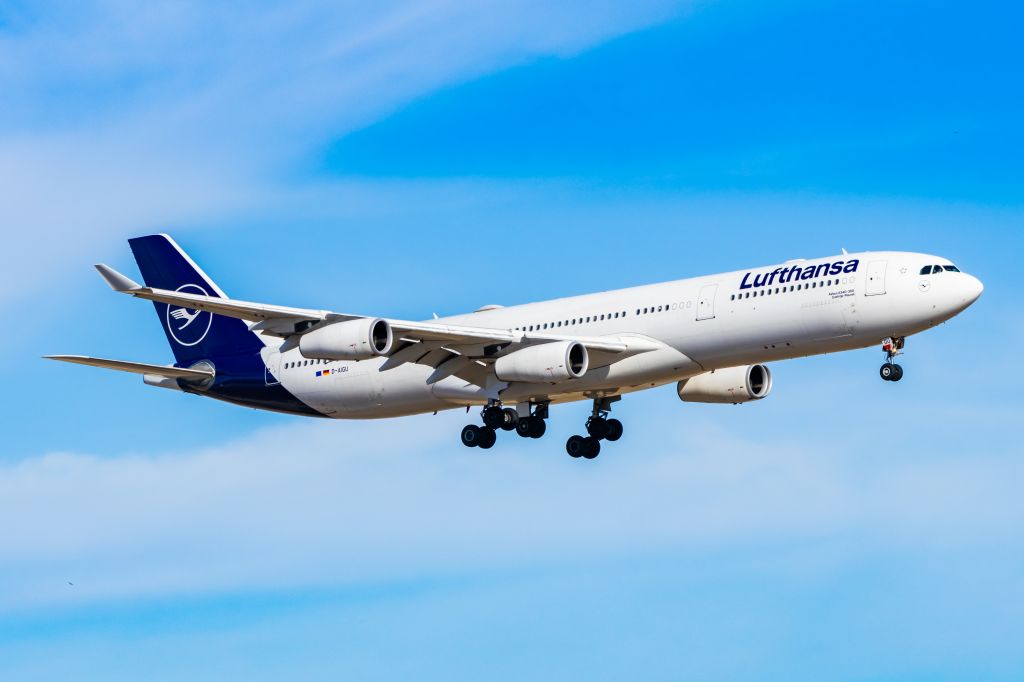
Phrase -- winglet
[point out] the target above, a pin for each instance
(115, 279)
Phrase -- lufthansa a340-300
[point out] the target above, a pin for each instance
(710, 334)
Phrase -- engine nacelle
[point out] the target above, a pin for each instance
(732, 385)
(548, 362)
(353, 340)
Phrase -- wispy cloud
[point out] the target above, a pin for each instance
(121, 118)
(340, 504)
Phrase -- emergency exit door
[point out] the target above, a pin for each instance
(876, 278)
(706, 302)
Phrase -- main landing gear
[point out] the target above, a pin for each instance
(599, 427)
(496, 418)
(529, 422)
(890, 371)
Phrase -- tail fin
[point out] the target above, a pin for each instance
(193, 334)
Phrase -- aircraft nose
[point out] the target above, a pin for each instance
(972, 289)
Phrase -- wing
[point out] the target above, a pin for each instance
(452, 349)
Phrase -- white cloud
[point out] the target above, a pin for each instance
(340, 504)
(121, 118)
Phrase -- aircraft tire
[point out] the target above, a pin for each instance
(576, 446)
(487, 438)
(597, 428)
(471, 436)
(494, 417)
(511, 419)
(614, 430)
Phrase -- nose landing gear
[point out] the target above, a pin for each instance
(599, 427)
(890, 371)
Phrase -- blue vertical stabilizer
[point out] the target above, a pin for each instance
(194, 335)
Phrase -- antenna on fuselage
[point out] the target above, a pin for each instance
(845, 253)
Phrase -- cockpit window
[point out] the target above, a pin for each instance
(951, 268)
(926, 270)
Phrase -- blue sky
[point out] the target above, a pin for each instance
(405, 159)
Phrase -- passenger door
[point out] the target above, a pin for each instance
(706, 302)
(876, 278)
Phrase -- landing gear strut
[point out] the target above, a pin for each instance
(893, 346)
(599, 427)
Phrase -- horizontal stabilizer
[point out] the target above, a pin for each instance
(136, 367)
(115, 279)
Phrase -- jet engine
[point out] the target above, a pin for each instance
(733, 385)
(353, 340)
(548, 362)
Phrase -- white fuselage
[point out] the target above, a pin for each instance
(704, 323)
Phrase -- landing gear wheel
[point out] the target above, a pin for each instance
(471, 436)
(487, 439)
(494, 417)
(893, 347)
(592, 447)
(511, 417)
(576, 446)
(597, 428)
(613, 431)
(531, 427)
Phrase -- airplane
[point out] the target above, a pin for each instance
(710, 335)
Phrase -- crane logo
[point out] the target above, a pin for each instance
(188, 326)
